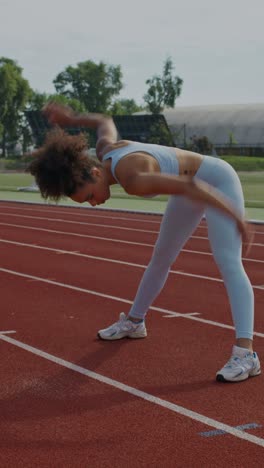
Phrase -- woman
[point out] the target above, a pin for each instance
(197, 185)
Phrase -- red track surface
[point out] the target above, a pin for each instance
(58, 288)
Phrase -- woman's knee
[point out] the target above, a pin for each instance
(228, 263)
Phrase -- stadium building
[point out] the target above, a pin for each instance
(239, 127)
(230, 129)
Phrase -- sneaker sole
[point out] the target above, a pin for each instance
(114, 338)
(220, 377)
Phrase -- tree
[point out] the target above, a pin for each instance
(14, 94)
(201, 145)
(93, 85)
(125, 107)
(163, 91)
(38, 101)
(160, 134)
(231, 140)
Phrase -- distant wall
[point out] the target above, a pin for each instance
(237, 127)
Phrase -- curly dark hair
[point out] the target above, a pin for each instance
(62, 165)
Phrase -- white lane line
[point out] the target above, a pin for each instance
(87, 211)
(118, 262)
(188, 316)
(7, 332)
(172, 314)
(119, 241)
(112, 226)
(86, 291)
(82, 223)
(138, 393)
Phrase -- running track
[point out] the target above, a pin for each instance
(71, 400)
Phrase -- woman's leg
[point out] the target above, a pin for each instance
(225, 242)
(180, 220)
(226, 246)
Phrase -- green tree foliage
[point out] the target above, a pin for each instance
(163, 90)
(159, 134)
(125, 107)
(201, 145)
(38, 101)
(231, 140)
(14, 94)
(93, 85)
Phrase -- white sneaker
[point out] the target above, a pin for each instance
(123, 328)
(241, 365)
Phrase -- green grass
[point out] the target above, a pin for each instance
(253, 187)
(252, 182)
(245, 163)
(11, 181)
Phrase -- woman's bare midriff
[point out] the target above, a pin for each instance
(189, 162)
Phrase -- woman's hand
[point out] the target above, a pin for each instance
(247, 234)
(57, 114)
(64, 116)
(199, 191)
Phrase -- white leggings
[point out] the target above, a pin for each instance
(181, 218)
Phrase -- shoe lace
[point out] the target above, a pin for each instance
(119, 323)
(234, 361)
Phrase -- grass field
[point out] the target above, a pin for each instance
(253, 187)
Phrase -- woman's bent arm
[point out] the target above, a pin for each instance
(66, 117)
(195, 189)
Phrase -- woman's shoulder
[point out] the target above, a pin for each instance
(117, 145)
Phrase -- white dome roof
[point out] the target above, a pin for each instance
(245, 122)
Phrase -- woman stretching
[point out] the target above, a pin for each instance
(198, 185)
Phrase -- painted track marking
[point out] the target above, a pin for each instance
(138, 393)
(119, 262)
(243, 427)
(7, 332)
(109, 239)
(120, 228)
(119, 299)
(69, 210)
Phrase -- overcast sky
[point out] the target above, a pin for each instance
(217, 47)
